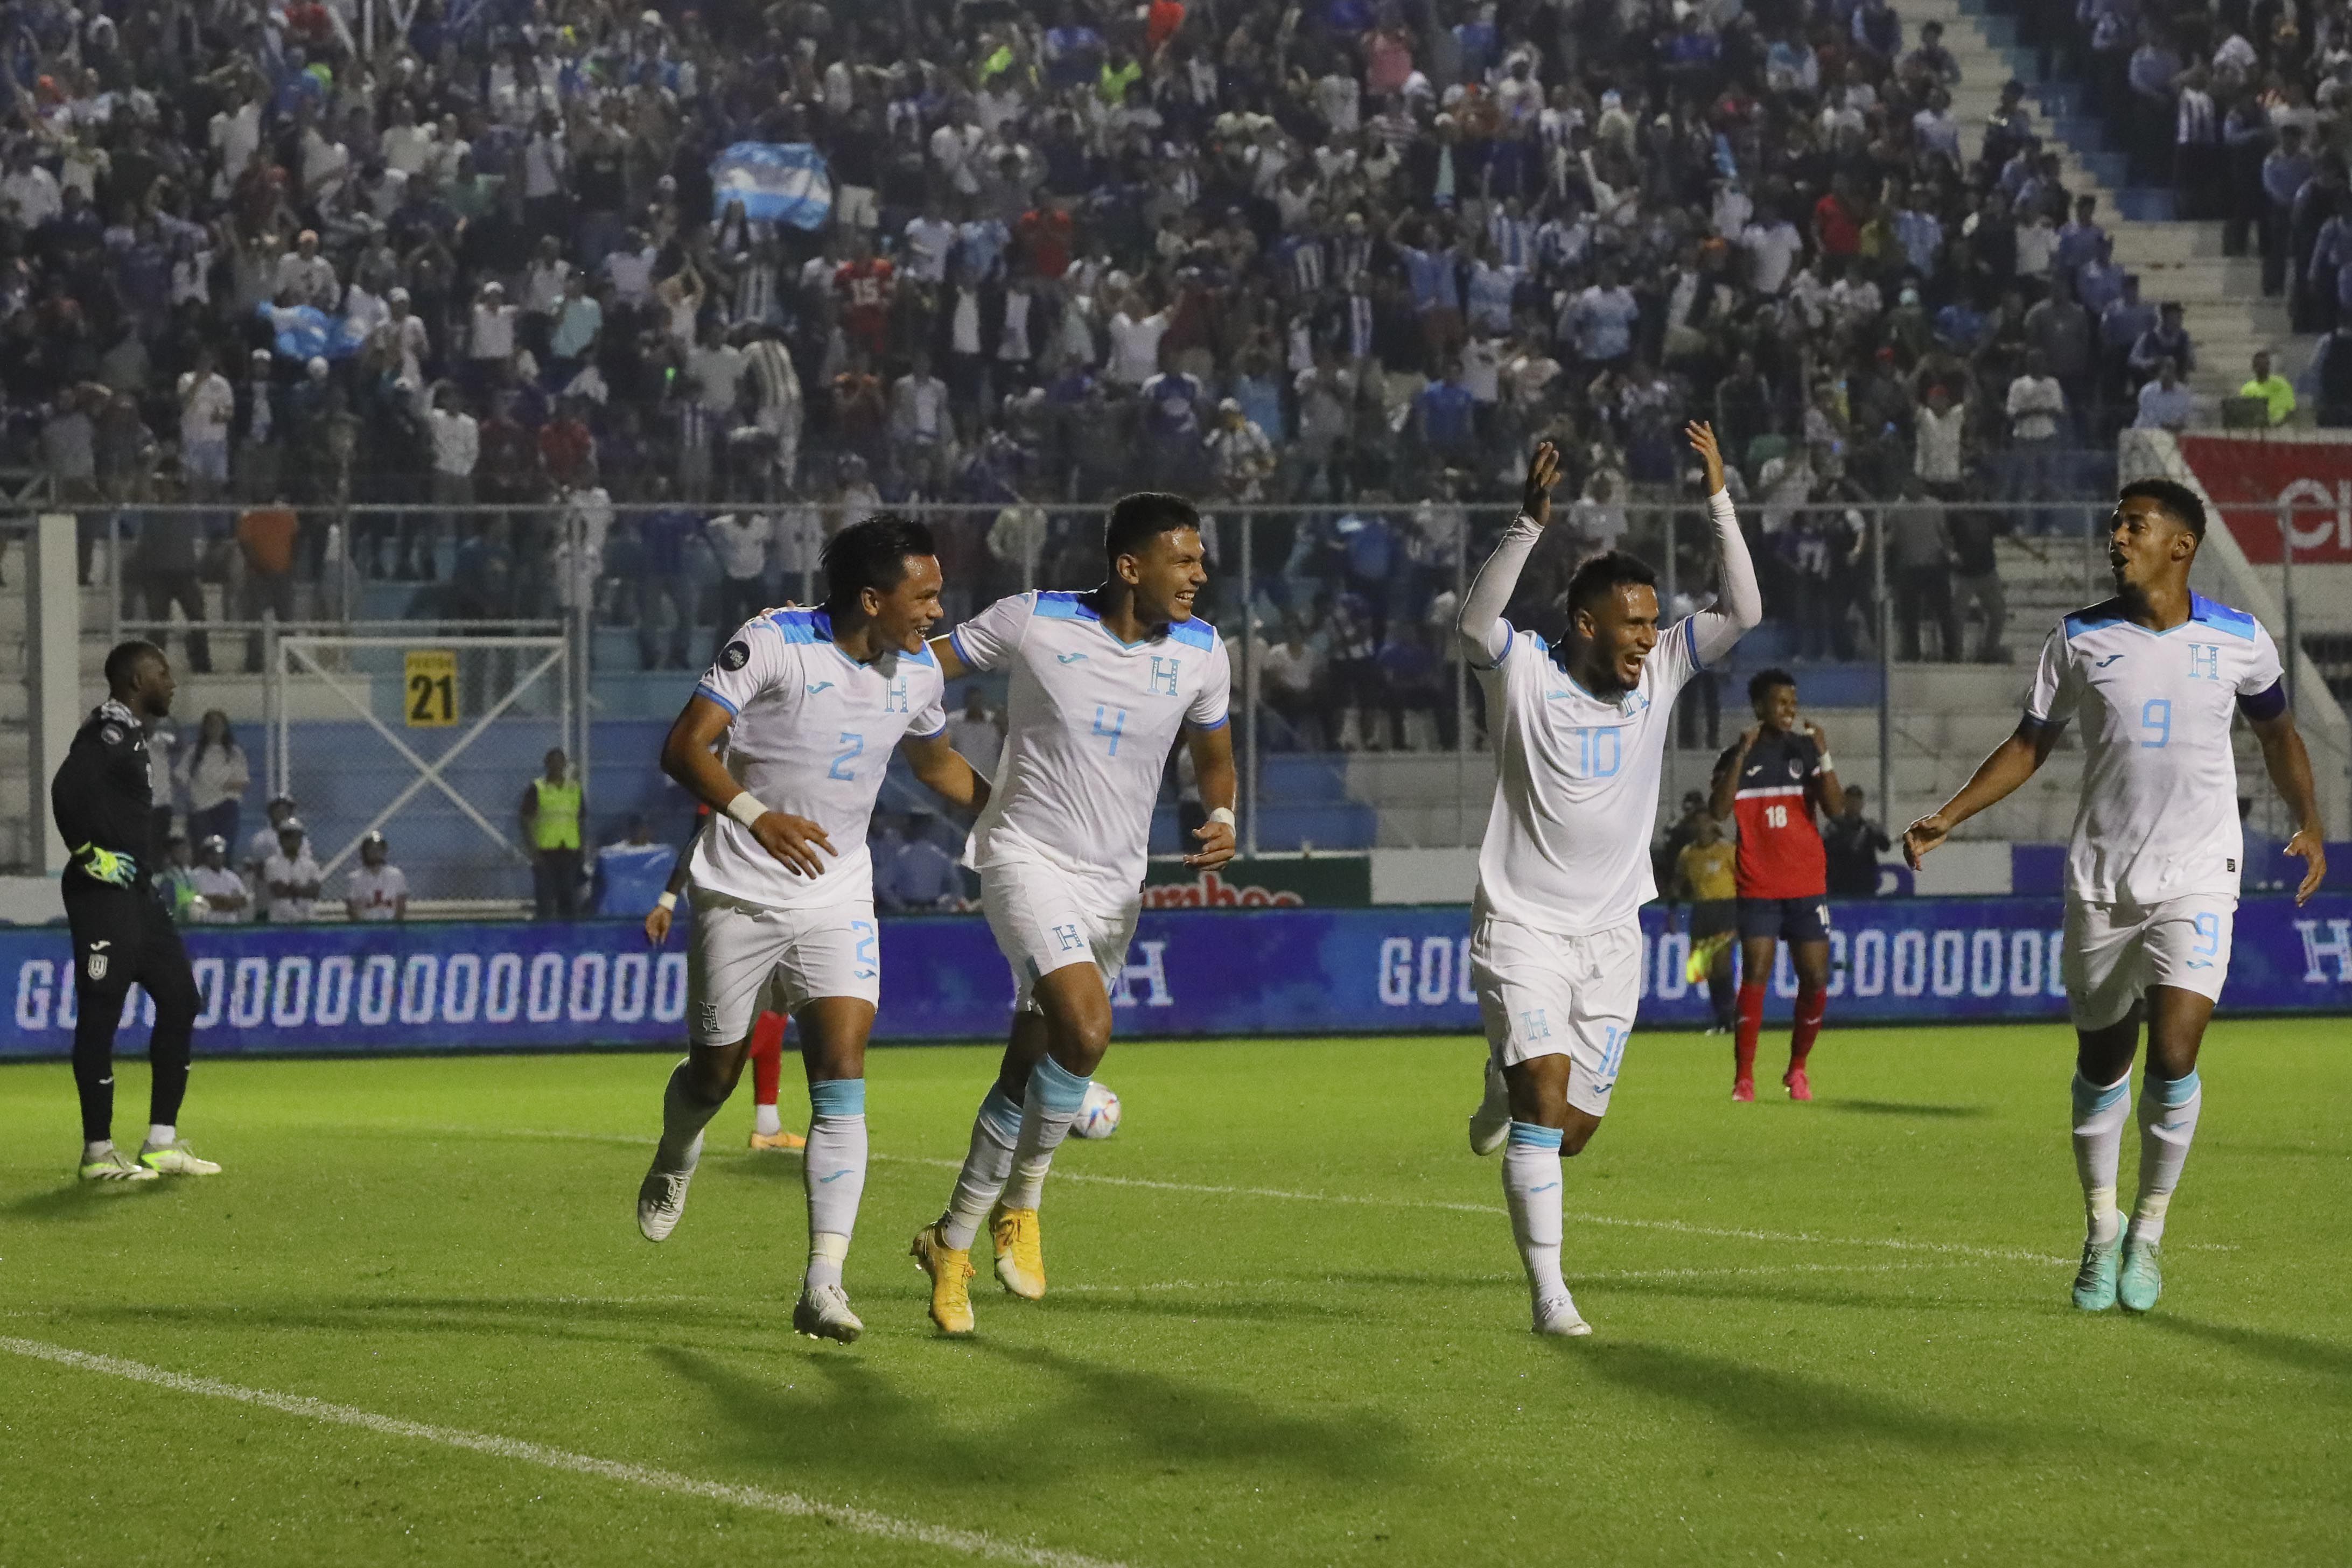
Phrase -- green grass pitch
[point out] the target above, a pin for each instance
(1287, 1325)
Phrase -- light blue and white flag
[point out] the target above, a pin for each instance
(304, 332)
(777, 182)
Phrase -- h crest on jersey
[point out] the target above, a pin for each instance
(2204, 661)
(1163, 676)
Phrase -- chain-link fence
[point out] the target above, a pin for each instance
(406, 668)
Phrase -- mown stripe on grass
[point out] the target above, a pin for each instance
(791, 1505)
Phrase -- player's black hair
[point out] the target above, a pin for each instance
(123, 662)
(871, 555)
(2177, 499)
(1135, 520)
(1601, 577)
(1764, 680)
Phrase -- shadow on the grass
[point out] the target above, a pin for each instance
(1901, 1107)
(1942, 1297)
(1781, 1404)
(580, 1320)
(872, 1425)
(79, 1199)
(2323, 1356)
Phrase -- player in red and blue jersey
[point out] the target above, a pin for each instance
(1770, 785)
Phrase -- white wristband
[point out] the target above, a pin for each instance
(1829, 763)
(668, 900)
(1224, 815)
(746, 808)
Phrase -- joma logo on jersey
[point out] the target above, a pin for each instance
(1163, 676)
(2204, 661)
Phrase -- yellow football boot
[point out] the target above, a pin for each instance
(785, 1139)
(950, 1271)
(1020, 1251)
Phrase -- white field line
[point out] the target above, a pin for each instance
(1680, 1227)
(791, 1505)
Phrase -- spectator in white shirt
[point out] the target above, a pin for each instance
(1937, 455)
(456, 448)
(490, 341)
(1135, 343)
(227, 900)
(976, 734)
(922, 438)
(375, 889)
(739, 540)
(2166, 403)
(215, 774)
(305, 277)
(207, 407)
(401, 334)
(2035, 406)
(291, 875)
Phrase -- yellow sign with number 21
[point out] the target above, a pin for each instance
(432, 688)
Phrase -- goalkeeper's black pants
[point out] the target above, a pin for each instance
(121, 937)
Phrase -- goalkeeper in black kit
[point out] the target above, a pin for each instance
(122, 934)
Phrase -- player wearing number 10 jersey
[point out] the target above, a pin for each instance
(2155, 676)
(1102, 684)
(1564, 869)
(810, 704)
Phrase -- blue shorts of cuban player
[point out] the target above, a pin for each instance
(1046, 919)
(746, 959)
(1543, 995)
(2113, 952)
(1787, 919)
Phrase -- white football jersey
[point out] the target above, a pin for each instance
(1576, 791)
(2158, 816)
(1088, 726)
(812, 734)
(377, 891)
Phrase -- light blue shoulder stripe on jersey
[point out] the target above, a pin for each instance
(956, 643)
(1057, 606)
(2220, 617)
(803, 625)
(702, 690)
(1204, 729)
(1196, 631)
(1690, 640)
(922, 654)
(1509, 632)
(2107, 613)
(932, 736)
(2038, 720)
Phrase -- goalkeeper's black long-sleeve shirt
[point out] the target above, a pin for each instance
(101, 799)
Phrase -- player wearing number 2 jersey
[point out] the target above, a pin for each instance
(1102, 684)
(2155, 676)
(1769, 785)
(810, 704)
(1556, 940)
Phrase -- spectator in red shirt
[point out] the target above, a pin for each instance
(1161, 21)
(863, 283)
(567, 450)
(1042, 235)
(1837, 224)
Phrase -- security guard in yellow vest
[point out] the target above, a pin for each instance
(550, 827)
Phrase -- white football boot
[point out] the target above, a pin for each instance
(1490, 1124)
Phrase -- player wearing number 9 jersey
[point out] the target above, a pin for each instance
(810, 704)
(1556, 941)
(2155, 676)
(1102, 683)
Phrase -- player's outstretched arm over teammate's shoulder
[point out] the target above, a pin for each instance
(2289, 766)
(1479, 625)
(687, 756)
(1740, 598)
(945, 772)
(1725, 785)
(1213, 768)
(2009, 764)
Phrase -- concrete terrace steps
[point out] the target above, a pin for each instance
(2228, 316)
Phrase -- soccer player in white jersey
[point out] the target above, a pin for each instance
(810, 704)
(2155, 675)
(1580, 735)
(1102, 684)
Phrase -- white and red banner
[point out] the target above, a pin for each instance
(2248, 478)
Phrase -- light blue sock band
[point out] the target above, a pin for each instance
(1528, 1135)
(1002, 1111)
(838, 1097)
(1058, 1089)
(2174, 1093)
(2091, 1099)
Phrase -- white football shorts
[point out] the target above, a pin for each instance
(1547, 995)
(1046, 919)
(2113, 952)
(746, 959)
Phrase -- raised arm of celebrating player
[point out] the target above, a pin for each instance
(1479, 626)
(1739, 602)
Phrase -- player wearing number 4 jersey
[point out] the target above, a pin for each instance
(2155, 676)
(810, 704)
(1555, 943)
(1102, 684)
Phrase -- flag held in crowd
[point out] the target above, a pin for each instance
(777, 182)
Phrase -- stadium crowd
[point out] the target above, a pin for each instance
(1346, 253)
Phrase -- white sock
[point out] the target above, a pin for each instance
(1531, 1185)
(1054, 1098)
(162, 1135)
(2168, 1125)
(684, 1116)
(994, 1133)
(834, 1171)
(765, 1121)
(98, 1150)
(2098, 1149)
